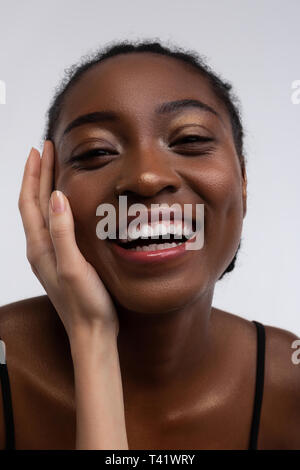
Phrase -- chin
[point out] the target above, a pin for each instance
(157, 297)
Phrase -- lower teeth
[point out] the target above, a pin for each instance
(161, 246)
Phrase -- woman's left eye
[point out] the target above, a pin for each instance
(190, 139)
(194, 145)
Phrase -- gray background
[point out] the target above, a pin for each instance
(254, 44)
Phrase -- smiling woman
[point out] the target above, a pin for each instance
(122, 354)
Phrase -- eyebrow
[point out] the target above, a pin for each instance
(164, 108)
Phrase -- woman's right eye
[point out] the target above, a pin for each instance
(89, 156)
(91, 153)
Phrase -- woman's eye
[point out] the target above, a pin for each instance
(194, 145)
(190, 139)
(91, 153)
(89, 156)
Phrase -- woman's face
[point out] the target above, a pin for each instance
(149, 161)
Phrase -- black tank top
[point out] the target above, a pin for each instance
(259, 386)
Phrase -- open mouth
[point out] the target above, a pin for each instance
(158, 236)
(152, 244)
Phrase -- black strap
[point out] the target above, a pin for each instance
(259, 387)
(7, 408)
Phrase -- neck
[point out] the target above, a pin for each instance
(160, 348)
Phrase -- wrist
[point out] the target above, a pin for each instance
(87, 341)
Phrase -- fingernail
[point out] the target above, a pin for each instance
(57, 201)
(31, 150)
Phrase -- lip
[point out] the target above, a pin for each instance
(157, 256)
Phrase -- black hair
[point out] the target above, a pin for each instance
(221, 88)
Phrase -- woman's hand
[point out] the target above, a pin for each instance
(81, 301)
(72, 284)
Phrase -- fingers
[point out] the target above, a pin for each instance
(48, 223)
(40, 251)
(69, 260)
(29, 194)
(46, 179)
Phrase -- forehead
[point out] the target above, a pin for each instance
(134, 84)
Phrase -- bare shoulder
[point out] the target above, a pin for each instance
(38, 362)
(22, 311)
(29, 327)
(280, 412)
(32, 331)
(280, 418)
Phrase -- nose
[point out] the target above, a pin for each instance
(147, 173)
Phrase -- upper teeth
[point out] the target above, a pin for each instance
(176, 228)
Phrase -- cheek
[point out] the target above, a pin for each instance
(85, 191)
(218, 183)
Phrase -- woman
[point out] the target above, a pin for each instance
(127, 355)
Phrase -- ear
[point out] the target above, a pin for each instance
(244, 190)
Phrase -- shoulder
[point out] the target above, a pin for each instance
(280, 418)
(280, 412)
(30, 323)
(17, 317)
(28, 327)
(31, 329)
(37, 358)
(24, 310)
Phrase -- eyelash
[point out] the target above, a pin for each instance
(76, 159)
